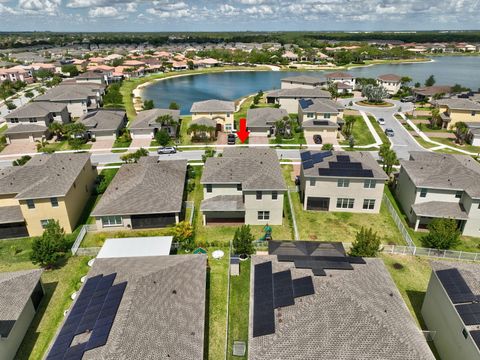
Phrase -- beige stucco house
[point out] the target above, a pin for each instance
(245, 185)
(456, 110)
(345, 82)
(302, 81)
(320, 116)
(288, 98)
(341, 181)
(432, 185)
(146, 125)
(390, 82)
(49, 186)
(218, 110)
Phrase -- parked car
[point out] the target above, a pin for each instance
(231, 139)
(317, 139)
(389, 132)
(381, 121)
(407, 99)
(167, 150)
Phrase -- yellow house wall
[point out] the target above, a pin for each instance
(463, 115)
(228, 119)
(8, 200)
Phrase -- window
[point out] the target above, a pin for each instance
(44, 223)
(326, 116)
(369, 184)
(312, 182)
(274, 195)
(479, 205)
(473, 113)
(423, 192)
(228, 127)
(458, 194)
(259, 195)
(111, 220)
(239, 187)
(368, 204)
(30, 204)
(345, 203)
(310, 115)
(263, 215)
(54, 202)
(343, 183)
(209, 188)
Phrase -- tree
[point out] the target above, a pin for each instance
(75, 129)
(389, 158)
(29, 94)
(366, 243)
(435, 119)
(42, 145)
(51, 246)
(162, 137)
(148, 105)
(405, 80)
(417, 85)
(174, 106)
(21, 161)
(57, 129)
(43, 74)
(443, 234)
(135, 156)
(430, 81)
(10, 105)
(190, 65)
(200, 131)
(373, 93)
(333, 90)
(243, 241)
(183, 234)
(70, 69)
(457, 88)
(327, 147)
(461, 132)
(347, 128)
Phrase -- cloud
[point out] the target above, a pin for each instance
(104, 12)
(49, 7)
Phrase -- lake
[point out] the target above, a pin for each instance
(448, 70)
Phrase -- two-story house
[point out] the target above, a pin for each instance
(31, 121)
(432, 185)
(345, 82)
(341, 181)
(149, 122)
(288, 98)
(218, 110)
(390, 82)
(456, 110)
(320, 116)
(302, 81)
(49, 186)
(245, 185)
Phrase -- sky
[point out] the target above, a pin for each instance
(238, 15)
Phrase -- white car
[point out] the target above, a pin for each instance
(381, 121)
(167, 150)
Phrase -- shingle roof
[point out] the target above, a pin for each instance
(223, 203)
(303, 79)
(146, 119)
(443, 171)
(44, 176)
(440, 209)
(390, 77)
(355, 314)
(262, 117)
(71, 91)
(162, 312)
(459, 104)
(22, 128)
(15, 291)
(212, 106)
(469, 271)
(320, 105)
(103, 119)
(146, 187)
(11, 214)
(254, 168)
(36, 109)
(339, 75)
(432, 90)
(299, 93)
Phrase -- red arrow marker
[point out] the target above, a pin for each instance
(243, 133)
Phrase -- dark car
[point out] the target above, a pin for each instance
(231, 139)
(389, 132)
(407, 99)
(317, 139)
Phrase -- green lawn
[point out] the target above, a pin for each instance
(379, 130)
(58, 283)
(451, 142)
(63, 145)
(216, 312)
(122, 143)
(98, 238)
(360, 132)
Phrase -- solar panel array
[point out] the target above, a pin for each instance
(272, 291)
(341, 167)
(476, 337)
(309, 159)
(470, 313)
(345, 172)
(93, 315)
(457, 289)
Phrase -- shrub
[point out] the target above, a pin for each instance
(443, 234)
(243, 241)
(51, 246)
(10, 105)
(183, 234)
(327, 147)
(162, 137)
(366, 243)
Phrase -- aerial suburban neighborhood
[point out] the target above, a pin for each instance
(239, 195)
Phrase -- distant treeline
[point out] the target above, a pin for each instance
(304, 39)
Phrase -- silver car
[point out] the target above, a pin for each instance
(167, 150)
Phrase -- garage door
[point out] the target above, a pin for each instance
(152, 221)
(318, 203)
(8, 231)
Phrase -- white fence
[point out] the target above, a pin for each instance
(398, 221)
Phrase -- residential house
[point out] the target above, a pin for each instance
(104, 124)
(288, 98)
(432, 185)
(451, 309)
(290, 56)
(16, 73)
(153, 308)
(20, 295)
(454, 110)
(309, 300)
(245, 185)
(145, 124)
(146, 194)
(427, 93)
(473, 136)
(390, 82)
(31, 121)
(345, 81)
(219, 110)
(49, 186)
(341, 181)
(79, 98)
(302, 81)
(320, 116)
(94, 76)
(261, 121)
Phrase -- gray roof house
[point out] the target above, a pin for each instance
(262, 120)
(432, 185)
(145, 124)
(212, 106)
(451, 309)
(147, 194)
(309, 300)
(302, 81)
(341, 181)
(245, 185)
(104, 123)
(288, 98)
(20, 295)
(473, 133)
(218, 110)
(320, 114)
(151, 308)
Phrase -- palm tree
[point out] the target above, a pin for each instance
(389, 158)
(57, 129)
(333, 90)
(348, 126)
(435, 119)
(199, 131)
(41, 145)
(461, 132)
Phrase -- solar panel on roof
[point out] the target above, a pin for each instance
(343, 158)
(344, 165)
(476, 337)
(303, 286)
(263, 312)
(470, 313)
(337, 265)
(282, 289)
(345, 172)
(306, 155)
(308, 164)
(455, 286)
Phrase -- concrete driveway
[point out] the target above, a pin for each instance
(327, 138)
(142, 142)
(258, 139)
(402, 142)
(103, 144)
(20, 147)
